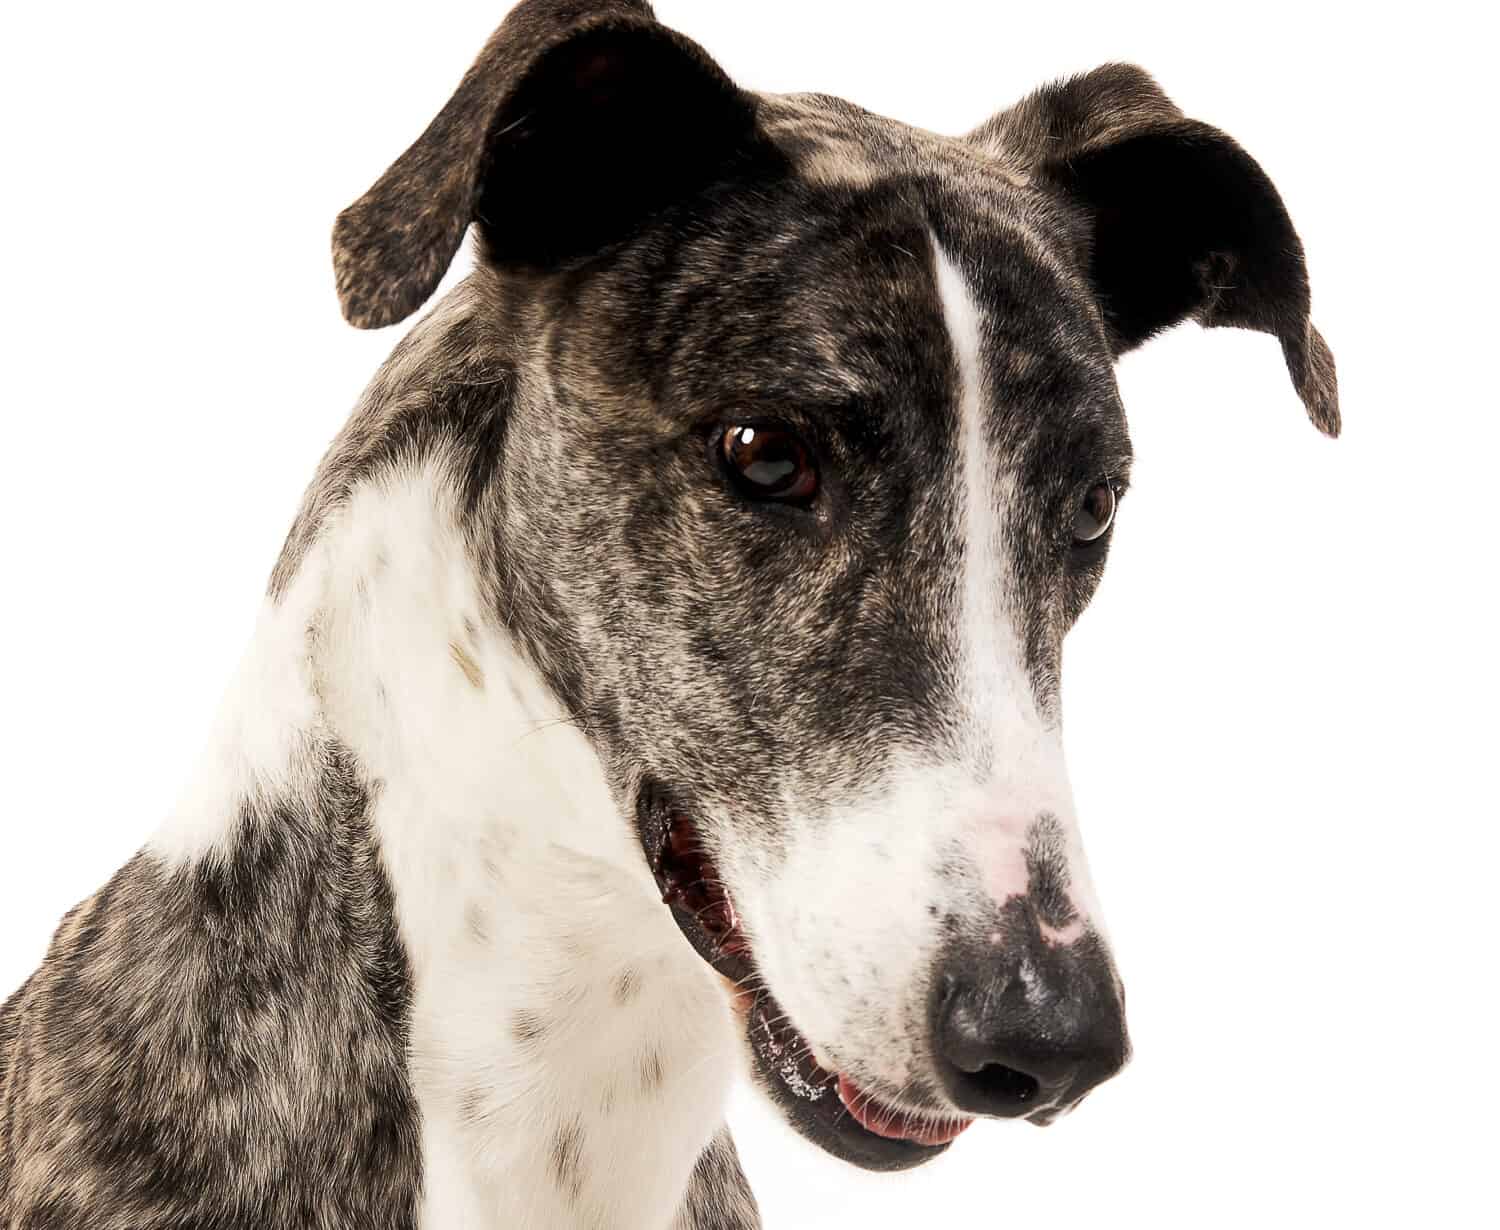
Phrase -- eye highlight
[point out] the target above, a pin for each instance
(769, 462)
(1094, 516)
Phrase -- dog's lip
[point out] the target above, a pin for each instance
(811, 1098)
(826, 1107)
(896, 1124)
(791, 1058)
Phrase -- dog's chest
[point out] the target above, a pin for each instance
(570, 1066)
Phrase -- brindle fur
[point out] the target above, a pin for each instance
(225, 1045)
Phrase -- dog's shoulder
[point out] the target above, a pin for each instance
(220, 1043)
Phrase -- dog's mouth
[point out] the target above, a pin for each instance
(826, 1107)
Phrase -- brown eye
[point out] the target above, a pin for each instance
(770, 463)
(1094, 516)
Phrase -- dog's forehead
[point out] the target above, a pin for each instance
(815, 286)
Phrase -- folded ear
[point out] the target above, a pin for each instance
(1184, 223)
(577, 120)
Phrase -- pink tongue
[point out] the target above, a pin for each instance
(897, 1124)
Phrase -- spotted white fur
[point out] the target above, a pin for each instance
(554, 999)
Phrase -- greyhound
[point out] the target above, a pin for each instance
(661, 672)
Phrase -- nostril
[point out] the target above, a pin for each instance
(1012, 1047)
(1000, 1086)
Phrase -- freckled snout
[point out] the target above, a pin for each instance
(1026, 1031)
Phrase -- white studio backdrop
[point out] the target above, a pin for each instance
(1280, 708)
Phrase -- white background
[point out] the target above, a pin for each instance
(1280, 708)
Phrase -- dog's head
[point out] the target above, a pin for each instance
(811, 460)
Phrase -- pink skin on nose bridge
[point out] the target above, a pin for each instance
(1007, 876)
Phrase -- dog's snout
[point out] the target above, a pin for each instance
(1017, 1033)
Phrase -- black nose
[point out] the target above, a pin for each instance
(1018, 1029)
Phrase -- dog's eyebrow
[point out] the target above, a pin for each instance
(1117, 476)
(1092, 468)
(1117, 468)
(1075, 452)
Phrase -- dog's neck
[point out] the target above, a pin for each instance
(570, 1053)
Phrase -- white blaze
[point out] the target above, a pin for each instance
(1006, 727)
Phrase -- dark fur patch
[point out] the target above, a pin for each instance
(528, 1028)
(1047, 872)
(718, 1196)
(566, 1160)
(471, 1105)
(652, 1073)
(223, 1045)
(625, 986)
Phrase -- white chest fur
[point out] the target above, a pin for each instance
(570, 1055)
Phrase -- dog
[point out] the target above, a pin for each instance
(662, 670)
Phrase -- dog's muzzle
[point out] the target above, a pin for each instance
(1022, 1028)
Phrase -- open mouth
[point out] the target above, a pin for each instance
(826, 1107)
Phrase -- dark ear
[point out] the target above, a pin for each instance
(577, 120)
(1184, 223)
